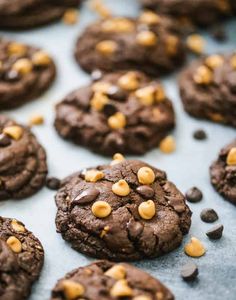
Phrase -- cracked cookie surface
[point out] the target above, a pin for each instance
(125, 211)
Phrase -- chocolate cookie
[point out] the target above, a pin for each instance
(23, 167)
(201, 12)
(124, 211)
(208, 88)
(21, 260)
(105, 280)
(122, 112)
(223, 172)
(150, 43)
(25, 73)
(18, 14)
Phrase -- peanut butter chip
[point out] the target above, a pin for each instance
(16, 49)
(129, 81)
(214, 61)
(168, 145)
(101, 209)
(41, 59)
(121, 289)
(147, 210)
(72, 290)
(146, 38)
(17, 226)
(145, 95)
(70, 16)
(233, 61)
(196, 43)
(14, 132)
(117, 158)
(121, 188)
(23, 66)
(106, 47)
(117, 272)
(160, 94)
(194, 248)
(203, 75)
(93, 175)
(150, 18)
(98, 101)
(146, 175)
(14, 244)
(36, 119)
(118, 25)
(231, 157)
(142, 297)
(117, 121)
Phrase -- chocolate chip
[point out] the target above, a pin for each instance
(208, 215)
(215, 232)
(12, 76)
(231, 79)
(96, 75)
(134, 229)
(116, 93)
(194, 195)
(199, 134)
(109, 109)
(219, 34)
(53, 183)
(189, 272)
(85, 197)
(4, 140)
(145, 191)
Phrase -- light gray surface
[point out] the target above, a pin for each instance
(187, 167)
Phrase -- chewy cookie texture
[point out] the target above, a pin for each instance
(120, 112)
(23, 167)
(124, 211)
(25, 73)
(150, 43)
(21, 260)
(208, 88)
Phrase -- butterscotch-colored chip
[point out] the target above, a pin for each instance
(147, 210)
(195, 43)
(15, 48)
(129, 81)
(214, 61)
(41, 59)
(70, 16)
(98, 101)
(146, 38)
(101, 209)
(121, 289)
(231, 157)
(146, 175)
(117, 272)
(14, 244)
(117, 121)
(172, 42)
(23, 66)
(146, 95)
(104, 231)
(233, 61)
(194, 248)
(216, 117)
(168, 145)
(72, 290)
(101, 87)
(18, 227)
(99, 7)
(36, 119)
(118, 25)
(142, 297)
(160, 94)
(159, 296)
(121, 188)
(14, 132)
(203, 75)
(150, 18)
(93, 175)
(106, 47)
(117, 158)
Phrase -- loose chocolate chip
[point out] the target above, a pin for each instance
(145, 191)
(231, 79)
(208, 215)
(189, 272)
(109, 109)
(53, 183)
(4, 140)
(116, 93)
(12, 76)
(219, 34)
(199, 134)
(215, 232)
(85, 197)
(96, 75)
(194, 195)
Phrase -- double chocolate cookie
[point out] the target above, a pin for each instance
(223, 172)
(208, 88)
(124, 211)
(150, 43)
(105, 280)
(25, 73)
(21, 260)
(121, 112)
(201, 12)
(23, 167)
(19, 14)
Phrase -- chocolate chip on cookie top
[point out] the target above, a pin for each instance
(124, 211)
(25, 73)
(150, 43)
(208, 88)
(21, 259)
(223, 172)
(121, 112)
(106, 280)
(23, 167)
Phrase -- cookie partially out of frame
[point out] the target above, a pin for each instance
(25, 73)
(150, 43)
(208, 88)
(124, 211)
(121, 112)
(21, 260)
(23, 166)
(223, 172)
(105, 280)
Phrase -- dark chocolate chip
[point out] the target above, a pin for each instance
(96, 75)
(215, 232)
(208, 215)
(231, 79)
(134, 229)
(116, 93)
(4, 140)
(53, 183)
(219, 34)
(145, 191)
(12, 76)
(194, 195)
(189, 272)
(85, 197)
(176, 202)
(109, 109)
(199, 134)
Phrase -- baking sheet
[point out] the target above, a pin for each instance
(187, 167)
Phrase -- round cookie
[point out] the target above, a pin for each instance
(223, 172)
(121, 112)
(150, 43)
(23, 166)
(124, 211)
(25, 73)
(201, 12)
(208, 88)
(21, 260)
(105, 280)
(18, 14)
